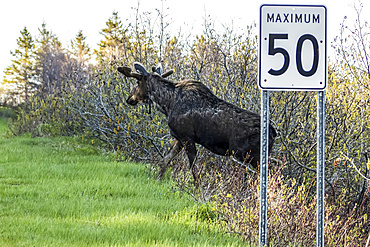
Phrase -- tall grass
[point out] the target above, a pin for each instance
(60, 192)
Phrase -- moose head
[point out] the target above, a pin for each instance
(140, 92)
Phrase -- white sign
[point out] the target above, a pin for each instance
(292, 47)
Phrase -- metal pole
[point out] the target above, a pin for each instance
(264, 167)
(320, 168)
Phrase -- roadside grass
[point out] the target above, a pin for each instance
(60, 192)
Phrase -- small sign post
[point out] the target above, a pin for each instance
(292, 57)
(264, 167)
(320, 209)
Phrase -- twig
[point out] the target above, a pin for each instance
(368, 241)
(310, 169)
(242, 164)
(358, 171)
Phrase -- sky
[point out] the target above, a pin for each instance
(66, 18)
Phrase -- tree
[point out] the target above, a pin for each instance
(80, 50)
(353, 49)
(50, 60)
(112, 47)
(21, 72)
(351, 87)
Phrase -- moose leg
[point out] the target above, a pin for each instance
(191, 152)
(174, 150)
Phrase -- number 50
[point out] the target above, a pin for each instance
(272, 50)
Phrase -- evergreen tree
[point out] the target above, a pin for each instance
(78, 62)
(80, 50)
(47, 38)
(21, 71)
(112, 47)
(50, 60)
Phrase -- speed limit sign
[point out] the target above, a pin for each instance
(292, 47)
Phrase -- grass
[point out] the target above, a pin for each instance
(60, 192)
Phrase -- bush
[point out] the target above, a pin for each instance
(232, 197)
(6, 112)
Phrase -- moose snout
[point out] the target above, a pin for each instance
(131, 101)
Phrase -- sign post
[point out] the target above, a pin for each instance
(264, 167)
(292, 57)
(320, 206)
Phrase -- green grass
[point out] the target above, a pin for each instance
(59, 192)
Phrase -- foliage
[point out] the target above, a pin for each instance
(350, 94)
(80, 49)
(230, 199)
(57, 73)
(7, 113)
(22, 70)
(291, 212)
(77, 98)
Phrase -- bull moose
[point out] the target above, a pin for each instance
(195, 115)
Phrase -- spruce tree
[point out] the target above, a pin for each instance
(80, 49)
(21, 71)
(79, 60)
(50, 60)
(115, 41)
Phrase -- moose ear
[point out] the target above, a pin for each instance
(127, 72)
(167, 73)
(140, 68)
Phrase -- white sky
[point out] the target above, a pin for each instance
(65, 18)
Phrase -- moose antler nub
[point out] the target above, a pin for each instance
(127, 72)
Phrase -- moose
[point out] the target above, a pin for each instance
(195, 115)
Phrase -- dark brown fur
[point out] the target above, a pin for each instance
(196, 115)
